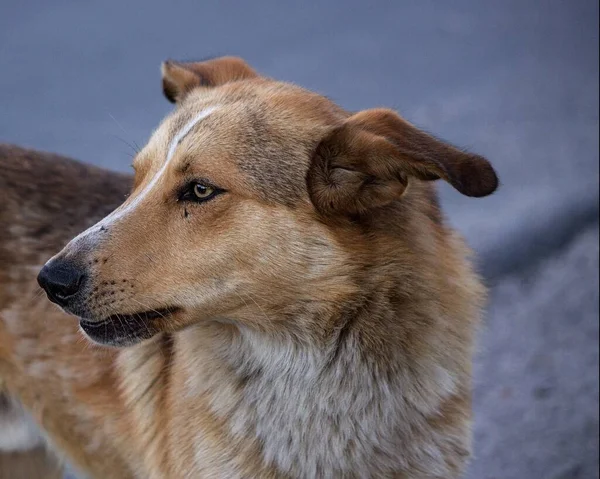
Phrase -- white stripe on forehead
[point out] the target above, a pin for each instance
(185, 130)
(177, 139)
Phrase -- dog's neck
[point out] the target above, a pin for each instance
(281, 392)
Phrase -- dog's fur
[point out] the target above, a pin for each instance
(316, 318)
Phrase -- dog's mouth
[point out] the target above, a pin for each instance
(141, 316)
(126, 329)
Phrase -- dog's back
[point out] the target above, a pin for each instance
(46, 199)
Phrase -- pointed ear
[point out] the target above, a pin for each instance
(369, 160)
(178, 78)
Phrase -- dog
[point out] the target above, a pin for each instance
(279, 295)
(41, 209)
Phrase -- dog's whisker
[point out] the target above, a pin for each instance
(121, 322)
(127, 143)
(139, 320)
(137, 148)
(34, 297)
(147, 308)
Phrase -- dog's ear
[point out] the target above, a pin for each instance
(180, 78)
(369, 160)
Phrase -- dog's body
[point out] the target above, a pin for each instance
(309, 316)
(43, 360)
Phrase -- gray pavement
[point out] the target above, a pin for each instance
(536, 375)
(514, 80)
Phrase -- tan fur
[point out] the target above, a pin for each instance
(317, 317)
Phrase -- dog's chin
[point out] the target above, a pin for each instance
(122, 330)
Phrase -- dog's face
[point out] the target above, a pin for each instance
(237, 201)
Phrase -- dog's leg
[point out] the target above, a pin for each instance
(23, 454)
(17, 431)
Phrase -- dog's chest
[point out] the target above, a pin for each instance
(283, 415)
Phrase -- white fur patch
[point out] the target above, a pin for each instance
(122, 212)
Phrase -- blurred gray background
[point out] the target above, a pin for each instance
(516, 81)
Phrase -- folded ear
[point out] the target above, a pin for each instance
(179, 78)
(369, 160)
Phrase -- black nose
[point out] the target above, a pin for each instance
(61, 280)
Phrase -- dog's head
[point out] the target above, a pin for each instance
(244, 201)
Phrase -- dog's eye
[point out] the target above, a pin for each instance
(198, 192)
(202, 192)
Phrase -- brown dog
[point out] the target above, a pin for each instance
(281, 293)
